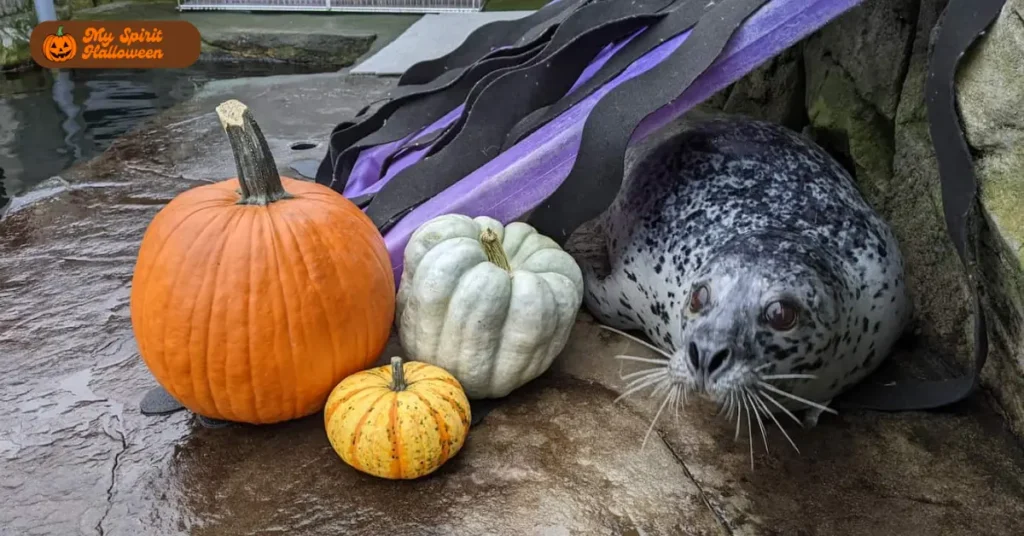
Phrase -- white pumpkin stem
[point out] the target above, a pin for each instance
(397, 374)
(259, 181)
(492, 248)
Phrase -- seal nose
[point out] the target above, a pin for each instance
(704, 369)
(694, 357)
(718, 360)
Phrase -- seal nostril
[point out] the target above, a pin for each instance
(717, 360)
(302, 146)
(694, 356)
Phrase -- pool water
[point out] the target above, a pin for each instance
(51, 120)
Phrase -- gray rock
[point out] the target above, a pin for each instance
(327, 50)
(15, 31)
(773, 92)
(934, 273)
(872, 43)
(990, 97)
(855, 69)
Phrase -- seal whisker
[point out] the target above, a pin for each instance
(739, 415)
(638, 359)
(750, 432)
(760, 398)
(760, 423)
(634, 389)
(636, 339)
(662, 387)
(790, 377)
(677, 396)
(726, 408)
(642, 383)
(769, 397)
(653, 422)
(791, 396)
(634, 378)
(640, 373)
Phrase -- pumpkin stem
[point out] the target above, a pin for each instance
(259, 181)
(492, 248)
(60, 31)
(397, 374)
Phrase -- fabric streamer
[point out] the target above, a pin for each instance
(512, 183)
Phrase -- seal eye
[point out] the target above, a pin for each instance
(780, 315)
(699, 298)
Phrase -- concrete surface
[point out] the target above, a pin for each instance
(557, 458)
(428, 38)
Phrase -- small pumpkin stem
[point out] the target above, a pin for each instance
(397, 374)
(492, 248)
(259, 181)
(60, 31)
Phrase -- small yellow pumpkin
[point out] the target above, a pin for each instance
(400, 421)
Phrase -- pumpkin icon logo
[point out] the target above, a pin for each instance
(59, 47)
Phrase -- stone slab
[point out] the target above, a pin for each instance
(430, 37)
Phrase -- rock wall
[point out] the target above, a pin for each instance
(991, 101)
(17, 19)
(857, 87)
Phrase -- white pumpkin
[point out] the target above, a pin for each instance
(492, 305)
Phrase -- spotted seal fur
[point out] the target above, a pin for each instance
(748, 256)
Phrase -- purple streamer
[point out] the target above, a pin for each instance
(518, 180)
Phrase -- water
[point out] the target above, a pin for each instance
(51, 120)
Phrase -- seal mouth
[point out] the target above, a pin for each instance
(746, 396)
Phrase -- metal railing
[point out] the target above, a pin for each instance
(350, 6)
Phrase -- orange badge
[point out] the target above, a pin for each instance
(122, 44)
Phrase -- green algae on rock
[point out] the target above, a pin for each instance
(291, 47)
(15, 31)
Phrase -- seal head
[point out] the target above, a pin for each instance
(763, 303)
(748, 257)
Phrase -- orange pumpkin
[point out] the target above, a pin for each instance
(253, 297)
(402, 421)
(59, 47)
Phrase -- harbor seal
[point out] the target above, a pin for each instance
(749, 258)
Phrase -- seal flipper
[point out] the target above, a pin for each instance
(588, 246)
(605, 301)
